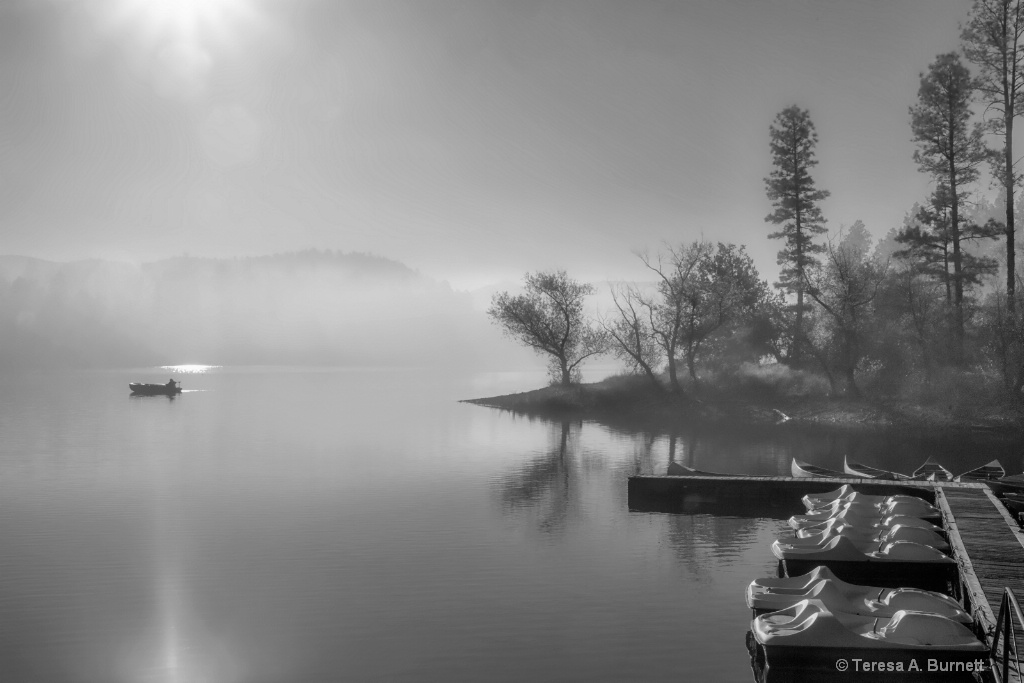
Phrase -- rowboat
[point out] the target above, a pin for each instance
(857, 469)
(932, 471)
(992, 470)
(154, 389)
(799, 468)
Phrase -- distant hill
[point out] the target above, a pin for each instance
(309, 307)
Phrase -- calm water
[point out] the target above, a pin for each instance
(288, 526)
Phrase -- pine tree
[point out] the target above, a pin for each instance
(994, 41)
(795, 198)
(951, 150)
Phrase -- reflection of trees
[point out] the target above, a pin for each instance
(543, 484)
(705, 542)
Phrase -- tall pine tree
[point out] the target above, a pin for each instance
(791, 190)
(993, 40)
(950, 149)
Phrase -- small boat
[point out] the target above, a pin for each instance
(992, 470)
(843, 549)
(857, 469)
(799, 468)
(809, 635)
(909, 508)
(800, 523)
(155, 389)
(1012, 483)
(812, 502)
(931, 471)
(773, 594)
(868, 535)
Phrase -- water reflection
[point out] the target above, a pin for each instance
(543, 484)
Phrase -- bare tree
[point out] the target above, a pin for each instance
(549, 318)
(632, 334)
(844, 287)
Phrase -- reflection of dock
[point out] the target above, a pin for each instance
(987, 544)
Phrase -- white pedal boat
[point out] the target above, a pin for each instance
(873, 535)
(801, 525)
(808, 634)
(773, 594)
(812, 501)
(843, 549)
(915, 507)
(859, 515)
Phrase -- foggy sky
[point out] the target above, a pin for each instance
(472, 141)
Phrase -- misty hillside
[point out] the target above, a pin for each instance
(312, 307)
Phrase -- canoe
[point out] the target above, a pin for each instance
(931, 471)
(799, 468)
(810, 636)
(1012, 483)
(154, 389)
(773, 594)
(992, 470)
(857, 469)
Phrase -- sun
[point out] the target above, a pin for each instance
(176, 21)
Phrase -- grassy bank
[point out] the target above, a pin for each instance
(761, 401)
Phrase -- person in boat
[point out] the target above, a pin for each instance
(171, 384)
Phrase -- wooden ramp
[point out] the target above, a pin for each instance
(989, 549)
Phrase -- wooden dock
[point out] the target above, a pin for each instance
(989, 549)
(986, 542)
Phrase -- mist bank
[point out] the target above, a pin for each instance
(305, 308)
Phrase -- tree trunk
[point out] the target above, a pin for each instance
(958, 279)
(673, 376)
(1011, 279)
(566, 373)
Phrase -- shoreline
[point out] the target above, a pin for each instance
(615, 402)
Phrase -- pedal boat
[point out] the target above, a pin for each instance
(867, 514)
(860, 535)
(845, 549)
(809, 635)
(812, 501)
(904, 505)
(772, 594)
(800, 524)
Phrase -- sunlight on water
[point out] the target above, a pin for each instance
(190, 369)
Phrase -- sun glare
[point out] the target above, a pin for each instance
(185, 19)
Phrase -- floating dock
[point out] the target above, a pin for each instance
(985, 541)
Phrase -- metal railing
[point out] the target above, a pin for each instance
(1006, 629)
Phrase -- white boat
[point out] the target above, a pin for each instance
(867, 512)
(772, 594)
(869, 535)
(844, 549)
(847, 494)
(856, 518)
(809, 635)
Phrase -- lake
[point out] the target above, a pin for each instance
(287, 525)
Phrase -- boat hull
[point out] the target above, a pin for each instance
(153, 389)
(893, 574)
